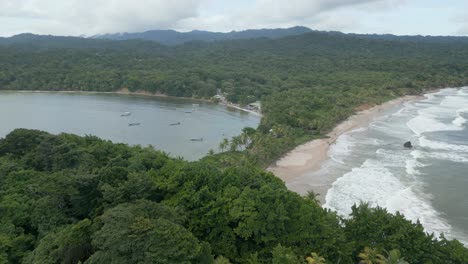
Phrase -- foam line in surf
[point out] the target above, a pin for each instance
(361, 185)
(432, 144)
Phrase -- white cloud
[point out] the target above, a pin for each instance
(88, 17)
(462, 21)
(73, 17)
(317, 14)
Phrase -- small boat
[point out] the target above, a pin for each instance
(126, 114)
(188, 111)
(175, 124)
(196, 139)
(134, 124)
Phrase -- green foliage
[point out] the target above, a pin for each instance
(221, 260)
(371, 256)
(394, 257)
(69, 244)
(143, 232)
(284, 255)
(315, 259)
(120, 204)
(376, 227)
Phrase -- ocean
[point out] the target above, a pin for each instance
(428, 182)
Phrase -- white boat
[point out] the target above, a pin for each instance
(126, 114)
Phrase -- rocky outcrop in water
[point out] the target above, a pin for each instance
(408, 145)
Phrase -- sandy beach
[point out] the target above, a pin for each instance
(307, 159)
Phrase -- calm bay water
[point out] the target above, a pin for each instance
(428, 182)
(100, 115)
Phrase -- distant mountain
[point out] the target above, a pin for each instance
(36, 40)
(416, 38)
(159, 40)
(172, 37)
(28, 41)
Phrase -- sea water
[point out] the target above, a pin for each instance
(101, 115)
(428, 183)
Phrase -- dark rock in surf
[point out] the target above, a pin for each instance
(408, 145)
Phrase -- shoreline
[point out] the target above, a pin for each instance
(308, 158)
(141, 93)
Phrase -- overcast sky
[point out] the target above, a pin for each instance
(90, 17)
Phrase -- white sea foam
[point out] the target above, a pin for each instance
(341, 148)
(359, 185)
(425, 122)
(376, 185)
(463, 92)
(454, 157)
(412, 166)
(459, 120)
(454, 101)
(400, 112)
(391, 158)
(424, 142)
(430, 119)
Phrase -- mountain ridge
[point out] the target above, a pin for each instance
(169, 37)
(173, 37)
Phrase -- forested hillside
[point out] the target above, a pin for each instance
(172, 37)
(307, 83)
(70, 199)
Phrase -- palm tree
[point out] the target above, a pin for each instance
(371, 256)
(224, 144)
(222, 260)
(311, 195)
(235, 143)
(394, 257)
(315, 259)
(244, 140)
